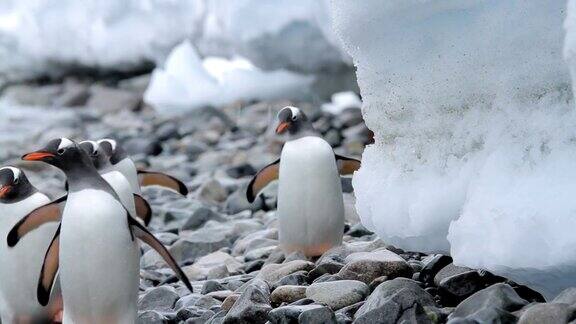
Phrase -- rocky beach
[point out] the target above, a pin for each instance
(229, 248)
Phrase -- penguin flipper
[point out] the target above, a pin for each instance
(51, 212)
(143, 209)
(346, 166)
(268, 174)
(150, 178)
(49, 270)
(143, 234)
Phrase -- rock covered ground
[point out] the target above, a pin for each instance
(229, 248)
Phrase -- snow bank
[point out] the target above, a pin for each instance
(186, 81)
(472, 110)
(51, 36)
(38, 36)
(280, 34)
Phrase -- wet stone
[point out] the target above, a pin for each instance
(161, 299)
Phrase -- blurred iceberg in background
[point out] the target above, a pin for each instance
(52, 37)
(187, 81)
(475, 129)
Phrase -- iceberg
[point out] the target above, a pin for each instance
(52, 37)
(186, 82)
(48, 37)
(283, 34)
(472, 109)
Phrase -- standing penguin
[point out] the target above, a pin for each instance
(94, 249)
(310, 203)
(121, 161)
(20, 267)
(133, 201)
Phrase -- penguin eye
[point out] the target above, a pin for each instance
(61, 151)
(16, 181)
(95, 153)
(295, 118)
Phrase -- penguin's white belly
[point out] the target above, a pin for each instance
(310, 203)
(128, 169)
(20, 266)
(120, 184)
(99, 270)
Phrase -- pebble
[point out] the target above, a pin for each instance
(567, 296)
(112, 100)
(196, 245)
(302, 314)
(160, 299)
(548, 313)
(143, 145)
(212, 192)
(210, 286)
(367, 266)
(200, 216)
(495, 303)
(151, 317)
(346, 314)
(299, 278)
(338, 294)
(274, 272)
(252, 306)
(194, 315)
(287, 294)
(399, 300)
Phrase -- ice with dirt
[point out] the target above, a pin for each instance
(474, 122)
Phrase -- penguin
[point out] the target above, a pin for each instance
(133, 201)
(94, 249)
(310, 202)
(121, 161)
(20, 267)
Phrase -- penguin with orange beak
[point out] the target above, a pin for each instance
(20, 266)
(310, 202)
(94, 249)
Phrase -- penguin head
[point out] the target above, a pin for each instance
(14, 185)
(99, 156)
(115, 151)
(293, 120)
(61, 153)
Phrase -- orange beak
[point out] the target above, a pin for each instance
(282, 127)
(4, 191)
(37, 156)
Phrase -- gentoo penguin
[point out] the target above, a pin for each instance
(94, 248)
(121, 161)
(310, 202)
(20, 267)
(134, 202)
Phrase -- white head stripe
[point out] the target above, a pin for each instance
(64, 143)
(295, 111)
(111, 141)
(14, 170)
(94, 145)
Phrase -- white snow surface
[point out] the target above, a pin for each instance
(186, 81)
(39, 36)
(474, 121)
(279, 34)
(51, 36)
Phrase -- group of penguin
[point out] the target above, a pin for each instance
(88, 237)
